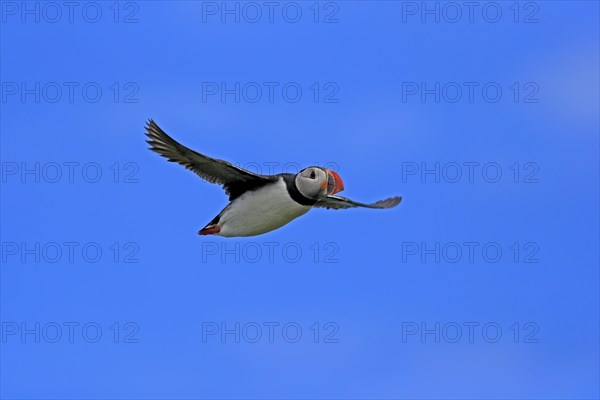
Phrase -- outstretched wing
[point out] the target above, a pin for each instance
(234, 180)
(339, 202)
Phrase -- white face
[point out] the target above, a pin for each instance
(312, 182)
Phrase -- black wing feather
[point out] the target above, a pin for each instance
(234, 180)
(339, 202)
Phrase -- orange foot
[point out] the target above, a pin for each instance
(210, 231)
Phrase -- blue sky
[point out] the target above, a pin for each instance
(483, 283)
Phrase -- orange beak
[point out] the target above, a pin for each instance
(334, 182)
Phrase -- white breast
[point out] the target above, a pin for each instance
(260, 211)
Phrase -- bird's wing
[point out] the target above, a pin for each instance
(339, 202)
(234, 180)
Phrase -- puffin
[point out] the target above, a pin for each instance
(258, 203)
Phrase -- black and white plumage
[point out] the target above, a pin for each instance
(258, 203)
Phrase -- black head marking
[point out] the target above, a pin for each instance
(290, 183)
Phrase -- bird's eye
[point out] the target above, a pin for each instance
(312, 174)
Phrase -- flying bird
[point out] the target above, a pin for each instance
(258, 203)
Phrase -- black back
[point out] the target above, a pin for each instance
(238, 188)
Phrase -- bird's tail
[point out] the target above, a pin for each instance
(209, 230)
(212, 227)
